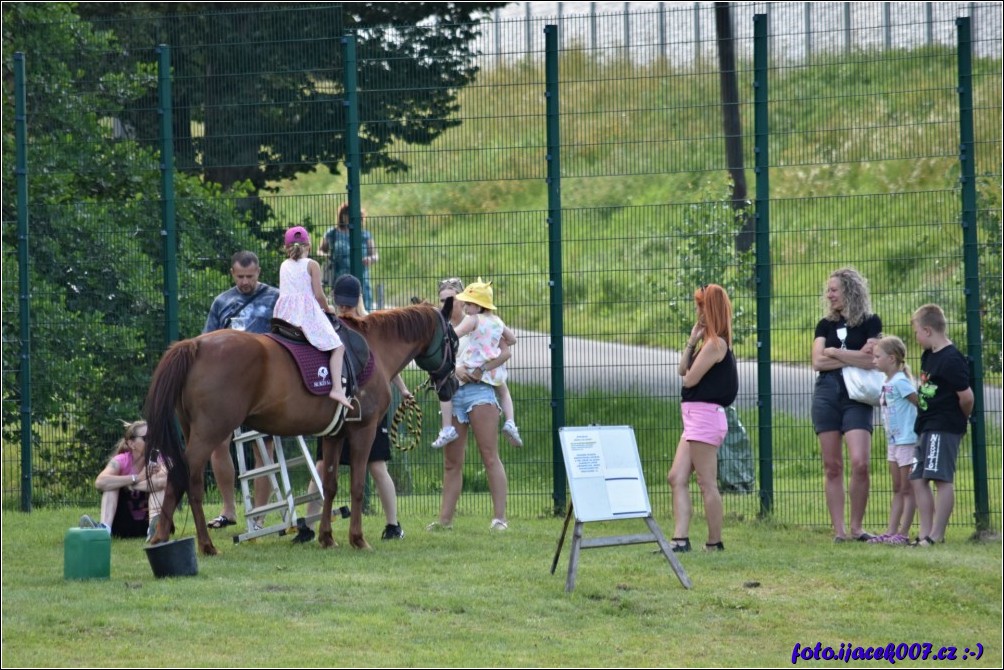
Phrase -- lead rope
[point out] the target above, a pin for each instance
(409, 413)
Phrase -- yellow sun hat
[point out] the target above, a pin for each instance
(479, 293)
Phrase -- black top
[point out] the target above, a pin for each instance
(855, 339)
(719, 385)
(942, 375)
(856, 336)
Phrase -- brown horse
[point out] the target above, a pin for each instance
(224, 379)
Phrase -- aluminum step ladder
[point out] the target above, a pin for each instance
(282, 498)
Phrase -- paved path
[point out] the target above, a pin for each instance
(591, 364)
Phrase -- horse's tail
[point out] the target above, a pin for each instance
(159, 410)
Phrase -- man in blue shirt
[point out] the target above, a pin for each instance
(247, 306)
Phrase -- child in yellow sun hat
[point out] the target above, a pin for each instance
(485, 331)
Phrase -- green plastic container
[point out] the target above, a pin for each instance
(87, 554)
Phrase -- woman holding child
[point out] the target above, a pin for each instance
(845, 336)
(475, 407)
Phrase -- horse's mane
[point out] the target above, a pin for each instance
(409, 324)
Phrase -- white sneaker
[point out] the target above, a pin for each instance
(498, 525)
(152, 527)
(511, 433)
(446, 435)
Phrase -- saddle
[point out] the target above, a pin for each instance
(357, 364)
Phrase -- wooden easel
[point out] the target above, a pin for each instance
(579, 543)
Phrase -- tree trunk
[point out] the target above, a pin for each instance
(731, 123)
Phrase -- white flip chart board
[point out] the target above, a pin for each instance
(604, 473)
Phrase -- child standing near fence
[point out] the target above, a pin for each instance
(944, 405)
(302, 303)
(899, 412)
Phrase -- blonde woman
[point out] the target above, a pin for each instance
(131, 490)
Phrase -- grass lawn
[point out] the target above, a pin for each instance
(469, 598)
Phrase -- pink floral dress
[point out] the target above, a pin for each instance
(483, 346)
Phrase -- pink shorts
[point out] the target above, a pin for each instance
(704, 422)
(902, 455)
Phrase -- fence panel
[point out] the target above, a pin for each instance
(864, 148)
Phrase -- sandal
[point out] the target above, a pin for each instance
(221, 522)
(714, 546)
(680, 545)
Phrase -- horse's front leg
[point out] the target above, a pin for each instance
(196, 492)
(329, 481)
(358, 483)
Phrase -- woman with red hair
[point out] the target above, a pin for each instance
(710, 384)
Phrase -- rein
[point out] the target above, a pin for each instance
(409, 413)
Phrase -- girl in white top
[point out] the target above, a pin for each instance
(302, 303)
(899, 411)
(484, 331)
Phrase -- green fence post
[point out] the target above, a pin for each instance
(23, 285)
(352, 156)
(554, 258)
(169, 230)
(970, 259)
(765, 446)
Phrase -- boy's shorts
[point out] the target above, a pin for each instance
(903, 455)
(936, 456)
(469, 396)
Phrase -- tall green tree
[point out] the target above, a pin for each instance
(94, 241)
(258, 90)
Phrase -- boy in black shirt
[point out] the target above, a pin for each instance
(944, 404)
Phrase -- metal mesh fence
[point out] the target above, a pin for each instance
(864, 128)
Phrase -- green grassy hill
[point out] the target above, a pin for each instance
(864, 171)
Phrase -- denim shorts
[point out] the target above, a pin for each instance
(470, 396)
(833, 409)
(704, 422)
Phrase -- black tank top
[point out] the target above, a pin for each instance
(719, 385)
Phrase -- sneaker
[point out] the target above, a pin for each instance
(392, 532)
(87, 522)
(511, 433)
(152, 528)
(446, 435)
(898, 539)
(880, 539)
(498, 525)
(304, 534)
(436, 527)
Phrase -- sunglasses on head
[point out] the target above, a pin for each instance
(452, 282)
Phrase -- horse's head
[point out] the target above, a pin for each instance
(439, 359)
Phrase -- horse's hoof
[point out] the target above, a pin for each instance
(326, 541)
(360, 543)
(209, 550)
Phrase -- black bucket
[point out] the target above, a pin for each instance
(173, 559)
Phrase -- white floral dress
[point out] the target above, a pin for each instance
(298, 306)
